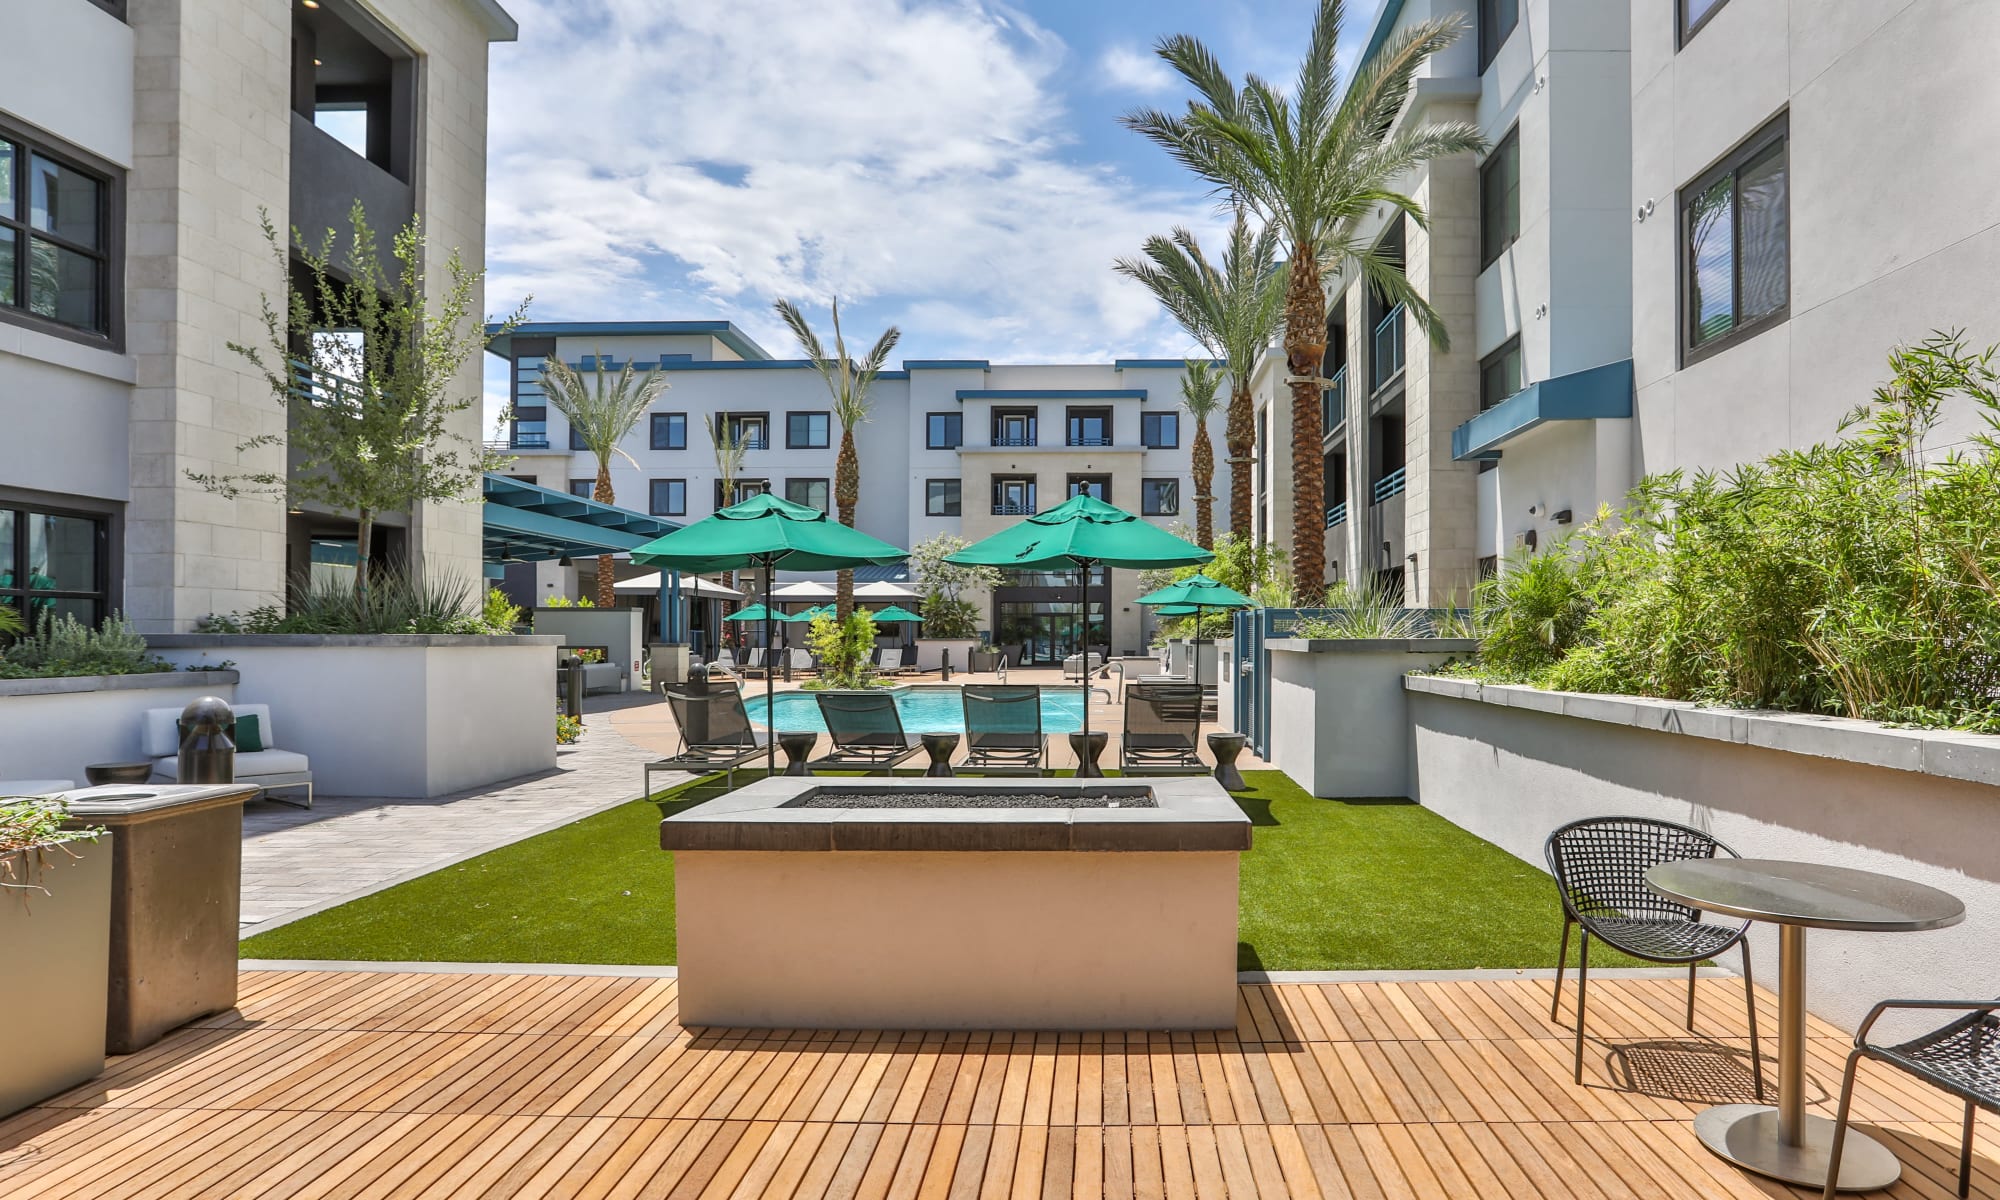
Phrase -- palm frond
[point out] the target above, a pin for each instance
(602, 413)
(1201, 389)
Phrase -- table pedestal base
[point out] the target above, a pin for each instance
(1747, 1135)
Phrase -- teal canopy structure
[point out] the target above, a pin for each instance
(522, 522)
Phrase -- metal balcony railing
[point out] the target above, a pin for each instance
(323, 388)
(1336, 514)
(1022, 440)
(1013, 510)
(1387, 356)
(1090, 441)
(1333, 402)
(1389, 485)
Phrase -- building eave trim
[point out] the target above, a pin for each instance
(1598, 393)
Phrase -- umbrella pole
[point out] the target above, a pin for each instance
(770, 685)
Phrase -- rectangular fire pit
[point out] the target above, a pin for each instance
(959, 904)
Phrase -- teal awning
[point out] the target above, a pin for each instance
(1590, 395)
(527, 523)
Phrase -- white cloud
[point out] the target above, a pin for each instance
(1135, 70)
(655, 161)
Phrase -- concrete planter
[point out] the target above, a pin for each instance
(402, 715)
(620, 631)
(931, 651)
(1511, 764)
(1338, 722)
(53, 728)
(59, 949)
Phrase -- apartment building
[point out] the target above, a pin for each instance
(962, 446)
(139, 142)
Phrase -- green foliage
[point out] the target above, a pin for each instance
(11, 624)
(1258, 570)
(38, 821)
(499, 614)
(1368, 609)
(1857, 577)
(566, 602)
(396, 603)
(568, 729)
(61, 645)
(946, 613)
(843, 649)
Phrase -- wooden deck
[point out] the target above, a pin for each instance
(376, 1084)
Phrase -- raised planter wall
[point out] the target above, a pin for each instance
(59, 950)
(1338, 723)
(53, 728)
(399, 715)
(930, 652)
(1511, 764)
(621, 631)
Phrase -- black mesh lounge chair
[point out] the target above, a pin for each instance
(1600, 865)
(866, 731)
(716, 734)
(1003, 728)
(1162, 721)
(1962, 1058)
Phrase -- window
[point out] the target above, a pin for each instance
(1500, 198)
(531, 427)
(1160, 430)
(668, 497)
(53, 565)
(1694, 14)
(1497, 19)
(56, 229)
(944, 431)
(1736, 244)
(1489, 566)
(670, 431)
(745, 489)
(1014, 427)
(808, 430)
(1013, 496)
(1500, 374)
(813, 493)
(941, 498)
(1160, 497)
(1090, 427)
(576, 440)
(753, 430)
(1097, 487)
(582, 487)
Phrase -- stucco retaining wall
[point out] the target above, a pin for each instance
(53, 728)
(1338, 725)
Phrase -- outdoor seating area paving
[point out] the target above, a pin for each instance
(383, 1084)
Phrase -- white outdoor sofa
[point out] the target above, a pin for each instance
(267, 768)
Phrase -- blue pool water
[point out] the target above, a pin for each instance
(922, 709)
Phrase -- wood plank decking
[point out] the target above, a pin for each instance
(338, 1084)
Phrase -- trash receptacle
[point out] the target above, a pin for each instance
(176, 902)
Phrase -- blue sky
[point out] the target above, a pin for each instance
(953, 167)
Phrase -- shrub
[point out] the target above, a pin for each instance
(568, 729)
(1368, 609)
(62, 645)
(843, 649)
(946, 613)
(395, 603)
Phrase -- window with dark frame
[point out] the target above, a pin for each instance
(1736, 244)
(1500, 374)
(941, 498)
(1694, 14)
(813, 493)
(668, 497)
(1014, 426)
(1013, 496)
(1497, 19)
(944, 431)
(576, 440)
(745, 489)
(531, 427)
(1159, 497)
(1160, 430)
(670, 431)
(54, 564)
(1097, 487)
(752, 430)
(808, 430)
(582, 488)
(1089, 427)
(56, 233)
(1500, 198)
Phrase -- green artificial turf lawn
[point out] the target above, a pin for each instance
(1330, 885)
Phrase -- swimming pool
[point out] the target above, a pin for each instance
(934, 709)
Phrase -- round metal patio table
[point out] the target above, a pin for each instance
(1784, 1142)
(1087, 747)
(798, 747)
(940, 746)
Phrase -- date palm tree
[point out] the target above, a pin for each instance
(1232, 311)
(1200, 384)
(1314, 160)
(601, 414)
(847, 381)
(730, 447)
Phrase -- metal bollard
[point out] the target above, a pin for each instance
(944, 657)
(208, 751)
(572, 681)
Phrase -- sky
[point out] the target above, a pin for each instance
(952, 167)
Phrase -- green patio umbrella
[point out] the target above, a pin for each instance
(1188, 596)
(893, 614)
(753, 613)
(766, 532)
(1081, 533)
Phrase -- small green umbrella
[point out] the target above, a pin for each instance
(893, 614)
(753, 613)
(768, 532)
(1184, 597)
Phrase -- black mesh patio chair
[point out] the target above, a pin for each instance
(867, 732)
(1600, 865)
(1162, 724)
(716, 734)
(1962, 1058)
(1003, 728)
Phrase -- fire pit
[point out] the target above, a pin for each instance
(959, 904)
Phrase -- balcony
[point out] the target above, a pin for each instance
(1014, 510)
(520, 441)
(1386, 355)
(327, 178)
(1080, 440)
(1390, 485)
(1336, 514)
(1025, 439)
(1333, 402)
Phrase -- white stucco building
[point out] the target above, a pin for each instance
(961, 446)
(139, 142)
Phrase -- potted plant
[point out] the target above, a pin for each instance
(55, 920)
(951, 622)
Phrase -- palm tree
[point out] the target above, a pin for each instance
(730, 447)
(1233, 312)
(1314, 160)
(1199, 385)
(848, 381)
(601, 416)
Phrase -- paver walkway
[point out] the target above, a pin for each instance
(297, 862)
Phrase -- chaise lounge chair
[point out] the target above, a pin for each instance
(716, 735)
(1003, 728)
(1162, 722)
(867, 733)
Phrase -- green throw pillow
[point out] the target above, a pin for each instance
(249, 737)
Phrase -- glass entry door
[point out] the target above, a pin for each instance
(1043, 632)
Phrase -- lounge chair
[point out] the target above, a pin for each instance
(1162, 723)
(867, 733)
(716, 734)
(267, 767)
(889, 662)
(1079, 666)
(1003, 728)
